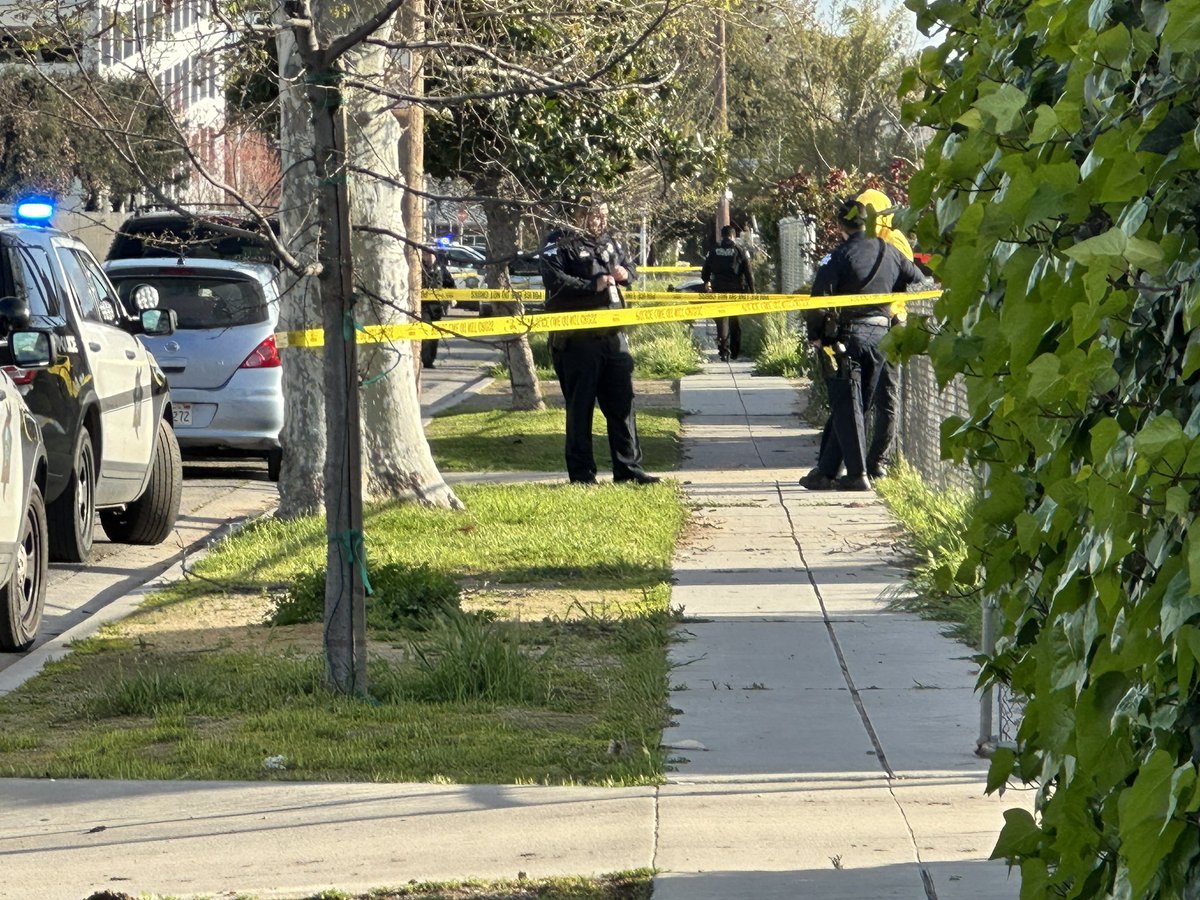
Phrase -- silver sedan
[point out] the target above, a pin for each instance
(222, 363)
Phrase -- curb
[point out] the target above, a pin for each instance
(455, 397)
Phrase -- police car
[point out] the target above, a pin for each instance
(102, 403)
(23, 539)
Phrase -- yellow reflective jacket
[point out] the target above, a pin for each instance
(876, 203)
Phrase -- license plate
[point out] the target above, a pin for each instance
(181, 414)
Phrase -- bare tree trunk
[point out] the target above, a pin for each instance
(395, 452)
(301, 483)
(504, 223)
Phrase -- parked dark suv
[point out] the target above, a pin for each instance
(171, 235)
(103, 403)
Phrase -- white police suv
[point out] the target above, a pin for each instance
(102, 403)
(23, 539)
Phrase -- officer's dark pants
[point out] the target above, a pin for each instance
(886, 405)
(598, 369)
(729, 337)
(851, 391)
(429, 348)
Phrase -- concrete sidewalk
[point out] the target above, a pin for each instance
(837, 736)
(823, 744)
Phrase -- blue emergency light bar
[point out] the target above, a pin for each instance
(35, 211)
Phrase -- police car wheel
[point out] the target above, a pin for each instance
(151, 517)
(72, 516)
(24, 596)
(274, 463)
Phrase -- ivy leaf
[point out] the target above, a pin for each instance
(1169, 133)
(1181, 601)
(1143, 254)
(1104, 436)
(1159, 434)
(1102, 248)
(1004, 106)
(1193, 557)
(1178, 500)
(1182, 32)
(1004, 761)
(1043, 375)
(1145, 809)
(1019, 837)
(1045, 124)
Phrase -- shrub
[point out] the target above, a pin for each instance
(775, 344)
(465, 656)
(664, 350)
(934, 524)
(402, 596)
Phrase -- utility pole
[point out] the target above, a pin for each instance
(412, 155)
(722, 126)
(345, 583)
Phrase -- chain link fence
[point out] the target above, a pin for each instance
(797, 243)
(924, 406)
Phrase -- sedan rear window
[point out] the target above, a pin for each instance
(199, 302)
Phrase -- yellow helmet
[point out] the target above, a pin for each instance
(879, 208)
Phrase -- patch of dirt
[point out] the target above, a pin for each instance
(531, 603)
(235, 623)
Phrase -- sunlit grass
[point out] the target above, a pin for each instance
(934, 524)
(464, 699)
(507, 441)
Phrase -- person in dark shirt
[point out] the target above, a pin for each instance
(727, 271)
(886, 405)
(858, 265)
(434, 274)
(584, 268)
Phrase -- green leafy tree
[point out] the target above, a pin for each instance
(42, 147)
(590, 127)
(1063, 191)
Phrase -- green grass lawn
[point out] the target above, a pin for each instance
(505, 441)
(194, 686)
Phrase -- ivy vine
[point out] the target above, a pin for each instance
(1061, 192)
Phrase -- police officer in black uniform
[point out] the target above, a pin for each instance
(727, 271)
(583, 268)
(434, 274)
(858, 265)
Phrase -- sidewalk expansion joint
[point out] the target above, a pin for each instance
(892, 777)
(833, 639)
(657, 823)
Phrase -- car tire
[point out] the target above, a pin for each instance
(72, 516)
(24, 596)
(151, 517)
(274, 463)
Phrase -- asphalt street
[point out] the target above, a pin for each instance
(215, 493)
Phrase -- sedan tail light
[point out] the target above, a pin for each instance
(264, 356)
(20, 376)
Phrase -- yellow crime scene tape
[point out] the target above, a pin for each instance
(693, 306)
